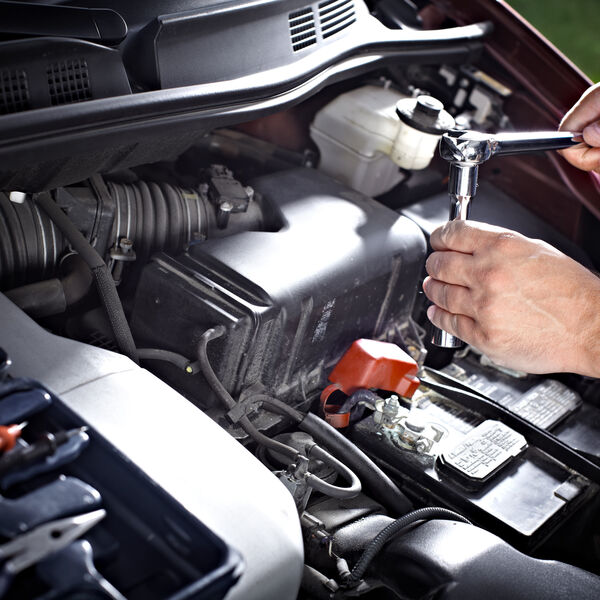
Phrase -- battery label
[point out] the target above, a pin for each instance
(484, 451)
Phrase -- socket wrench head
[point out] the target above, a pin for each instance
(467, 147)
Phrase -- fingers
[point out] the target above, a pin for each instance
(460, 326)
(452, 298)
(463, 236)
(584, 158)
(585, 117)
(586, 111)
(450, 267)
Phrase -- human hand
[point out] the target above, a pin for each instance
(520, 301)
(585, 117)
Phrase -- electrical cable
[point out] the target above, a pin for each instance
(375, 546)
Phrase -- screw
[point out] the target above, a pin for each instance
(126, 245)
(421, 446)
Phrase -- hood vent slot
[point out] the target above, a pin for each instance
(14, 91)
(336, 15)
(69, 81)
(302, 28)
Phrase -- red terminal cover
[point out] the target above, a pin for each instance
(374, 364)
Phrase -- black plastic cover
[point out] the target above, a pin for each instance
(341, 267)
(44, 72)
(455, 561)
(28, 19)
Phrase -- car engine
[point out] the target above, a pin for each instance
(211, 279)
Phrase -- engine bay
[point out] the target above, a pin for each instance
(267, 277)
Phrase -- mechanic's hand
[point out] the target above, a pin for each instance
(520, 301)
(585, 117)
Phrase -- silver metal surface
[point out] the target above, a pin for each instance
(443, 339)
(462, 186)
(465, 151)
(476, 147)
(31, 547)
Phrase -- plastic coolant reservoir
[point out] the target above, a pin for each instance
(423, 120)
(355, 134)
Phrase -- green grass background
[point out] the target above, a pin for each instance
(573, 26)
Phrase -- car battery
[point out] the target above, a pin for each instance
(544, 402)
(445, 453)
(146, 544)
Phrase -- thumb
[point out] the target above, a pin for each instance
(591, 134)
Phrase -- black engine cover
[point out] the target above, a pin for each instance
(337, 266)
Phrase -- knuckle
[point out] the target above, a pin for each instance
(493, 280)
(483, 337)
(446, 232)
(483, 305)
(505, 241)
(444, 300)
(452, 298)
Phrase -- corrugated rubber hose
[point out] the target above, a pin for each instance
(103, 279)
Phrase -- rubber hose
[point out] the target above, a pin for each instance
(279, 407)
(227, 400)
(41, 299)
(173, 358)
(329, 489)
(105, 284)
(384, 489)
(161, 228)
(29, 243)
(54, 296)
(78, 279)
(375, 546)
(148, 219)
